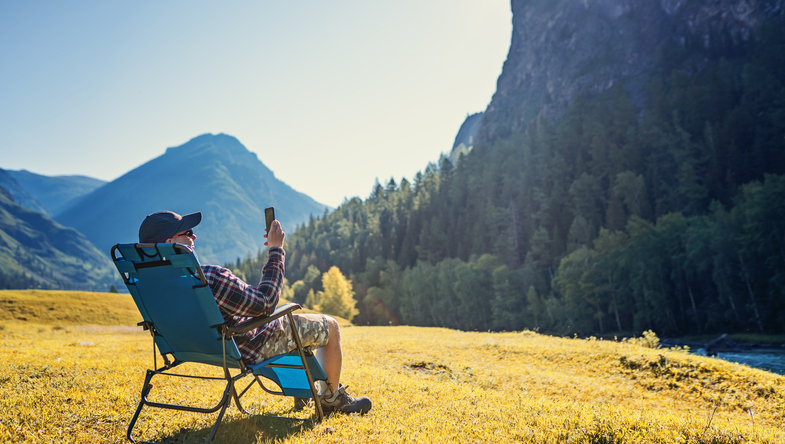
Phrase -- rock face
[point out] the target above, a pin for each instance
(560, 48)
(464, 141)
(468, 130)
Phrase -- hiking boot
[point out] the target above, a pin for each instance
(301, 403)
(345, 403)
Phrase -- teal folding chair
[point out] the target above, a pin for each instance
(178, 308)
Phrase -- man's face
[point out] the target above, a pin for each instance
(186, 238)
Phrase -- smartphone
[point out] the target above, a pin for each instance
(269, 216)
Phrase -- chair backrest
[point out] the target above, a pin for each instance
(171, 292)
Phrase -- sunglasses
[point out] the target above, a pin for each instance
(189, 233)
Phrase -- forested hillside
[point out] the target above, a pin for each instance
(54, 193)
(37, 252)
(18, 193)
(613, 218)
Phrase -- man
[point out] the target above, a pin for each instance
(239, 301)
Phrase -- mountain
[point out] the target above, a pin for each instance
(35, 250)
(628, 175)
(562, 48)
(18, 193)
(464, 140)
(468, 130)
(214, 174)
(52, 193)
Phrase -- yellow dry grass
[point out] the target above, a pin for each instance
(63, 308)
(68, 381)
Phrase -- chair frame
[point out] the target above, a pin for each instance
(227, 333)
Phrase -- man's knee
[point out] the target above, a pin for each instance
(332, 326)
(331, 322)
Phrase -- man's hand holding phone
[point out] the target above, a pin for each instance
(275, 234)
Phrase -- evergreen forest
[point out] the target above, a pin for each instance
(663, 212)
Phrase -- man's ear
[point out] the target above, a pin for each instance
(170, 241)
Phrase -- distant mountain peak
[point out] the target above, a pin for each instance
(211, 173)
(226, 146)
(220, 139)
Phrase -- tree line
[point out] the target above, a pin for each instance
(620, 216)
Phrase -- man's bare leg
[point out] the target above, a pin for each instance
(330, 356)
(335, 398)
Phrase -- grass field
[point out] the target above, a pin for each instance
(71, 371)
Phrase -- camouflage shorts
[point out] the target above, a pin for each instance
(312, 329)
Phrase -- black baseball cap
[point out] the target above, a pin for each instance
(160, 226)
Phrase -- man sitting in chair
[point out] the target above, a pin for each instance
(238, 301)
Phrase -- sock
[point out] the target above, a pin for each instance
(327, 388)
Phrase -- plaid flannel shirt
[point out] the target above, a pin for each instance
(239, 301)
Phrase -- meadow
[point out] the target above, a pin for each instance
(72, 366)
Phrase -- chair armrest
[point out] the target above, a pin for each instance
(245, 327)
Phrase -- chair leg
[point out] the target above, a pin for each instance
(218, 421)
(316, 401)
(221, 405)
(129, 434)
(237, 401)
(306, 368)
(145, 390)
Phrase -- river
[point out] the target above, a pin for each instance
(772, 360)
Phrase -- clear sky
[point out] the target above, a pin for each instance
(331, 95)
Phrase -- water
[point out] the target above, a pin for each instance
(772, 360)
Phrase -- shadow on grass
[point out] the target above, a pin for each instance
(246, 429)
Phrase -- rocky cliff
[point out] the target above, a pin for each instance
(464, 141)
(561, 48)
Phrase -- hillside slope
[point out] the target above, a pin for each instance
(55, 193)
(48, 254)
(214, 174)
(19, 193)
